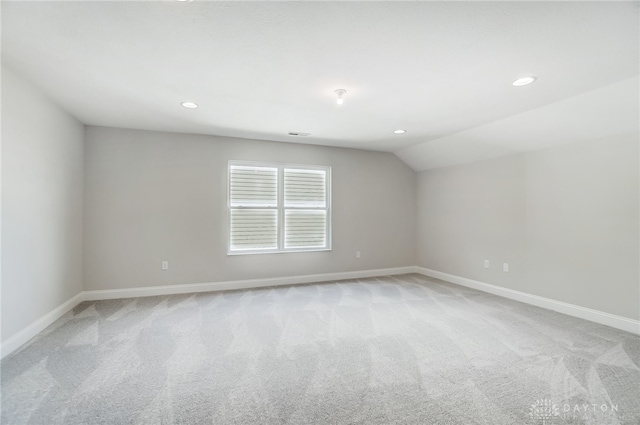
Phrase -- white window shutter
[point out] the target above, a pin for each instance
(253, 186)
(305, 229)
(254, 229)
(305, 188)
(253, 198)
(305, 202)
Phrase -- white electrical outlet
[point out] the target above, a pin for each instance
(486, 264)
(165, 265)
(357, 254)
(505, 267)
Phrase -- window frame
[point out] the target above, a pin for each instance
(280, 207)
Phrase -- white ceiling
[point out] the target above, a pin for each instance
(262, 69)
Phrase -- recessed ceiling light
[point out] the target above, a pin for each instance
(189, 105)
(340, 93)
(524, 81)
(399, 131)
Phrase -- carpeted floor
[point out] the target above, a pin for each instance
(393, 350)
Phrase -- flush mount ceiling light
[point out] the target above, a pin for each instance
(524, 81)
(340, 93)
(399, 131)
(189, 105)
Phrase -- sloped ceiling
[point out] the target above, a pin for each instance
(596, 114)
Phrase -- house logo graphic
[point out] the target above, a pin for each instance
(543, 411)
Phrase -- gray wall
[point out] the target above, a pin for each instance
(42, 172)
(566, 220)
(152, 196)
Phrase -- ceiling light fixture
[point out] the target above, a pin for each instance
(399, 131)
(189, 105)
(524, 81)
(340, 93)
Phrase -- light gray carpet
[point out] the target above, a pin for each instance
(394, 350)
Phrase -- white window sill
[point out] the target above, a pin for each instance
(289, 251)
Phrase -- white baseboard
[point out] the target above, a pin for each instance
(592, 315)
(39, 325)
(149, 291)
(22, 337)
(17, 340)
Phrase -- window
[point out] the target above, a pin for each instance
(278, 208)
